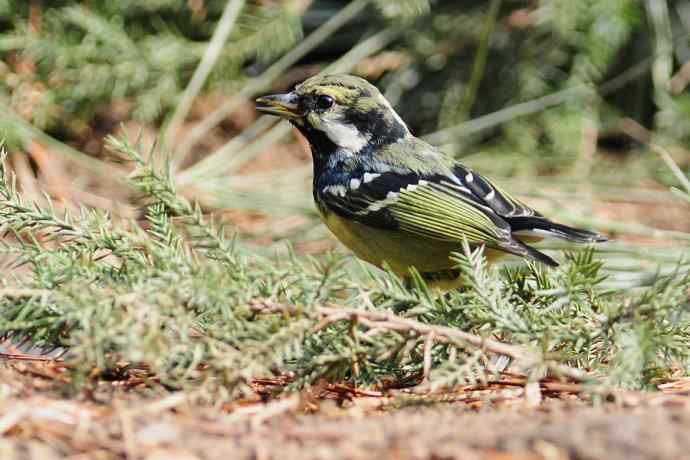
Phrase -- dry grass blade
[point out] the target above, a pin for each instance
(208, 61)
(666, 157)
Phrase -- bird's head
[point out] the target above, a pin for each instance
(338, 113)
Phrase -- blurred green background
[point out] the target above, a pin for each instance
(579, 107)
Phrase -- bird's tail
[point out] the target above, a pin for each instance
(538, 255)
(517, 247)
(538, 226)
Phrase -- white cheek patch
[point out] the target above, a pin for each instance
(344, 135)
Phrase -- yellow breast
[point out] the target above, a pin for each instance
(399, 250)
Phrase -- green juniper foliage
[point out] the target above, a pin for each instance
(142, 54)
(176, 293)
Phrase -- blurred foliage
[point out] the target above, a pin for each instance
(65, 61)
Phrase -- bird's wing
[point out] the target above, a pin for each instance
(435, 206)
(500, 201)
(522, 219)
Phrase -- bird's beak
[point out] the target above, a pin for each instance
(283, 105)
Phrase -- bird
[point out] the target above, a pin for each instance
(396, 201)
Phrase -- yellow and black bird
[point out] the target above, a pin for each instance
(392, 198)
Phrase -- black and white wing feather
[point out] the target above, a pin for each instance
(523, 220)
(436, 206)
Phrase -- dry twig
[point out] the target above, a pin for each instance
(442, 334)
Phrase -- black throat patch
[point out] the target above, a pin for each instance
(321, 145)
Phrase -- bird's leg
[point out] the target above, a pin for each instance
(402, 306)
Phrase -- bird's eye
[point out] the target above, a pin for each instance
(324, 102)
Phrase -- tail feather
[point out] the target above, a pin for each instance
(538, 255)
(539, 226)
(519, 248)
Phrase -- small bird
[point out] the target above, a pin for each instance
(394, 199)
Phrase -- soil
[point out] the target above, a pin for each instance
(447, 433)
(496, 422)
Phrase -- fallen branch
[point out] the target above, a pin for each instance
(440, 334)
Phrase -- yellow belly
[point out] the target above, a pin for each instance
(398, 250)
